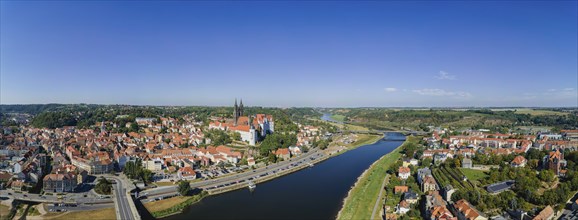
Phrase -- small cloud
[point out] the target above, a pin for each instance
(390, 89)
(551, 90)
(441, 92)
(443, 75)
(569, 89)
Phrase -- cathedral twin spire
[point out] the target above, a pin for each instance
(238, 111)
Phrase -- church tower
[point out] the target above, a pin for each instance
(236, 112)
(241, 110)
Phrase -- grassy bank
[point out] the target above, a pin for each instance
(100, 214)
(173, 205)
(340, 118)
(364, 139)
(361, 198)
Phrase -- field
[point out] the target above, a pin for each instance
(340, 118)
(101, 214)
(534, 112)
(361, 198)
(473, 175)
(4, 211)
(165, 203)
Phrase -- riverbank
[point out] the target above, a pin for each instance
(165, 208)
(361, 197)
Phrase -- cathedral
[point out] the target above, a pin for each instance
(251, 128)
(238, 111)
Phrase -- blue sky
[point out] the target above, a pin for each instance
(330, 54)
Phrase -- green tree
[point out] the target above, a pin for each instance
(103, 186)
(184, 187)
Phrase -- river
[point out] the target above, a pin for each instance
(312, 193)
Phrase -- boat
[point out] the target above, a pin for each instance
(310, 164)
(252, 185)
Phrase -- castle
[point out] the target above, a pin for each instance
(251, 128)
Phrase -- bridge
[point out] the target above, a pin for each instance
(380, 132)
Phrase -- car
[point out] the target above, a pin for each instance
(9, 193)
(25, 195)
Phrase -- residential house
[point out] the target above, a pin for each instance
(409, 161)
(186, 173)
(404, 172)
(429, 184)
(295, 150)
(448, 191)
(17, 185)
(546, 214)
(402, 207)
(466, 211)
(441, 213)
(519, 161)
(400, 189)
(467, 163)
(433, 204)
(411, 197)
(251, 161)
(282, 153)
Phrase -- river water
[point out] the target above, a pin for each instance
(312, 193)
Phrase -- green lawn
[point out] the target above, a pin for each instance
(338, 117)
(474, 175)
(359, 204)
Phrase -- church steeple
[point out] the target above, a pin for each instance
(241, 110)
(236, 112)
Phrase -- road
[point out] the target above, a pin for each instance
(71, 198)
(378, 201)
(309, 157)
(121, 201)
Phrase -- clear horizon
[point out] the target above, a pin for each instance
(290, 54)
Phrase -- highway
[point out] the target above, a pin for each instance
(304, 159)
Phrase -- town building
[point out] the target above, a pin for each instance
(466, 211)
(186, 173)
(555, 161)
(422, 173)
(429, 184)
(59, 182)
